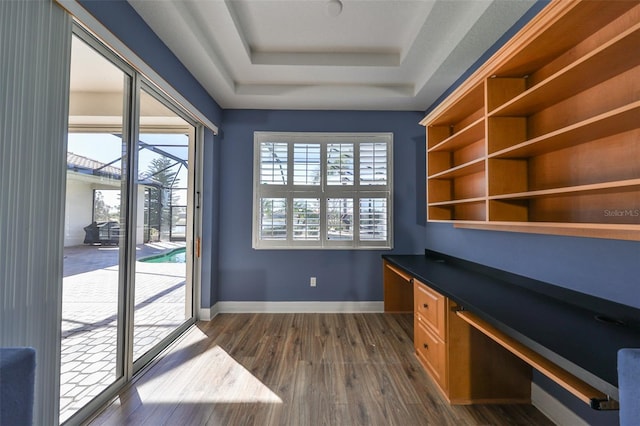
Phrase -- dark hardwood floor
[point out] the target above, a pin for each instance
(298, 369)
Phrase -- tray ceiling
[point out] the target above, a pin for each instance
(293, 54)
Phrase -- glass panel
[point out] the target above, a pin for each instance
(178, 212)
(273, 163)
(106, 205)
(373, 219)
(306, 165)
(178, 223)
(161, 295)
(340, 164)
(306, 219)
(340, 218)
(91, 358)
(273, 219)
(373, 164)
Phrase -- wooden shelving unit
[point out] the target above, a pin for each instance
(545, 136)
(456, 160)
(607, 61)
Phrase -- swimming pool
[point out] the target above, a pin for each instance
(178, 255)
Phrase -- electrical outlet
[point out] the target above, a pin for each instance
(312, 281)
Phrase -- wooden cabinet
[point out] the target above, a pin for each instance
(429, 331)
(431, 352)
(545, 136)
(429, 308)
(477, 353)
(467, 366)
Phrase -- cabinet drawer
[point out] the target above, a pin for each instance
(429, 308)
(431, 351)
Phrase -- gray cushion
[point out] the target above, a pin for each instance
(17, 374)
(629, 386)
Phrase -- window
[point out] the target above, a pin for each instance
(322, 190)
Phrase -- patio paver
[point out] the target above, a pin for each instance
(89, 315)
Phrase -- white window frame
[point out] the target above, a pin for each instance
(322, 191)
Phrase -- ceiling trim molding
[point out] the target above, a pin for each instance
(330, 90)
(330, 59)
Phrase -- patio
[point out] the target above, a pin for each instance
(89, 315)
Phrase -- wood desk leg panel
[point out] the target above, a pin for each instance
(577, 387)
(480, 370)
(398, 290)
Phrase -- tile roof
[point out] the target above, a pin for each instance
(81, 164)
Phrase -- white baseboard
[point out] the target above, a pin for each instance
(296, 307)
(207, 314)
(554, 409)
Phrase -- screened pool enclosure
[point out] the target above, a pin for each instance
(162, 184)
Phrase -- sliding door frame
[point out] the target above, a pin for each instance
(125, 367)
(193, 225)
(123, 372)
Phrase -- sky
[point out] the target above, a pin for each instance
(106, 147)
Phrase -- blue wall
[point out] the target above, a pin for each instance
(246, 274)
(603, 268)
(210, 220)
(125, 23)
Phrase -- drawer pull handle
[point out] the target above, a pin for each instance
(426, 345)
(425, 305)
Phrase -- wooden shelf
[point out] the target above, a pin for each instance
(454, 202)
(555, 151)
(609, 60)
(469, 168)
(613, 203)
(466, 136)
(456, 222)
(605, 187)
(591, 230)
(546, 36)
(463, 211)
(469, 105)
(465, 187)
(613, 122)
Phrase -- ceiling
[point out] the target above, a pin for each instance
(293, 54)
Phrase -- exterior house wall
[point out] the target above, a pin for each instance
(78, 210)
(140, 216)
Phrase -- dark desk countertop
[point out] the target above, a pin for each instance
(579, 332)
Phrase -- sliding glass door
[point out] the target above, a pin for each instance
(95, 229)
(129, 227)
(163, 257)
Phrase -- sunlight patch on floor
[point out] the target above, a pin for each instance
(230, 382)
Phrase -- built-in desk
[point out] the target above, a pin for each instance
(578, 333)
